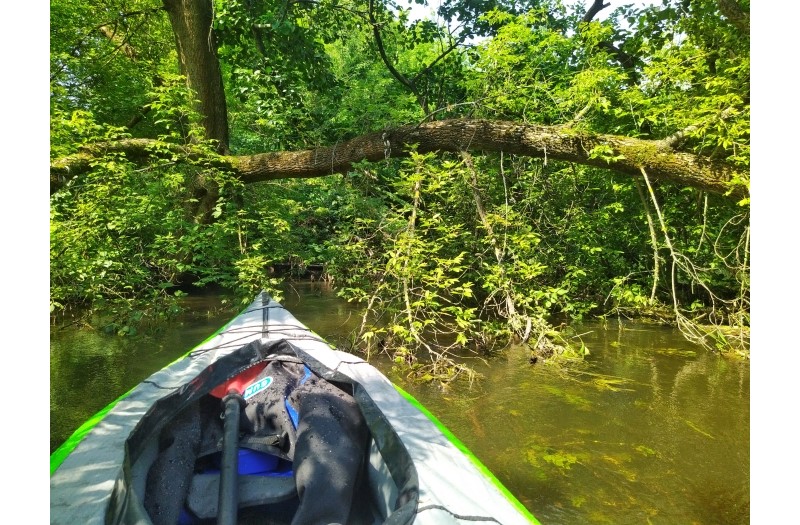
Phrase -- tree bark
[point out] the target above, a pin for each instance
(197, 54)
(737, 15)
(596, 7)
(549, 142)
(630, 155)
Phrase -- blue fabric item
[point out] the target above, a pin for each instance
(289, 408)
(255, 462)
(307, 375)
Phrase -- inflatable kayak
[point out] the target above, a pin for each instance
(266, 423)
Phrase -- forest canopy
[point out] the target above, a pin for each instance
(492, 172)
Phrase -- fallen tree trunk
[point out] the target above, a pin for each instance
(623, 154)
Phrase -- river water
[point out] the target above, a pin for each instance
(649, 429)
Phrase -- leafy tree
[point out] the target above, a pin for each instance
(533, 161)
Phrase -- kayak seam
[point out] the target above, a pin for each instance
(146, 381)
(457, 516)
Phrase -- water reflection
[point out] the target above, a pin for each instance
(649, 429)
(89, 369)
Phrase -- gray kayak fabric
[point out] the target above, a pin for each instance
(450, 488)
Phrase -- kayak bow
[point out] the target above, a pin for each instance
(315, 435)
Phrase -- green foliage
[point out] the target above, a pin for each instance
(275, 67)
(105, 57)
(448, 254)
(364, 98)
(412, 258)
(122, 238)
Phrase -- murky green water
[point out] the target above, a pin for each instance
(649, 429)
(89, 369)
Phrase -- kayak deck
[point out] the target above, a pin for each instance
(415, 469)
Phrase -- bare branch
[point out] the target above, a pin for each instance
(595, 8)
(376, 31)
(444, 53)
(110, 32)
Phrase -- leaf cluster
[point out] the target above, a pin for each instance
(446, 255)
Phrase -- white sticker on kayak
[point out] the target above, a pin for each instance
(257, 387)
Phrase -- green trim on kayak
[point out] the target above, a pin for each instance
(66, 448)
(463, 448)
